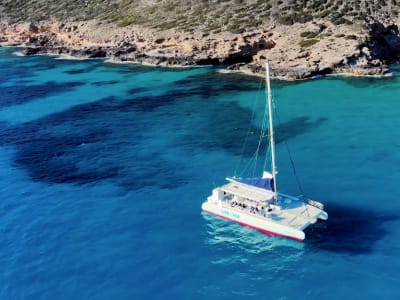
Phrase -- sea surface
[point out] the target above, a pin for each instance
(103, 169)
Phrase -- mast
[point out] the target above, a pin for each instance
(271, 130)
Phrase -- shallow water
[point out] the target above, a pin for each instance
(103, 169)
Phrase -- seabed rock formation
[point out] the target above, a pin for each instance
(295, 52)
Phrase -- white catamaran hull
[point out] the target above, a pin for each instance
(261, 224)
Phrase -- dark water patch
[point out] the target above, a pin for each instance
(227, 128)
(47, 159)
(249, 82)
(90, 143)
(76, 71)
(19, 94)
(224, 128)
(52, 157)
(229, 76)
(220, 83)
(11, 70)
(87, 68)
(152, 170)
(137, 90)
(24, 67)
(23, 82)
(102, 83)
(131, 69)
(3, 132)
(38, 66)
(150, 103)
(349, 230)
(30, 64)
(236, 87)
(184, 90)
(295, 127)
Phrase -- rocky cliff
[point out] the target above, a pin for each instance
(301, 39)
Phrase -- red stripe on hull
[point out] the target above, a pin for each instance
(252, 227)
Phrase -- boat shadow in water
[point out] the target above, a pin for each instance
(348, 230)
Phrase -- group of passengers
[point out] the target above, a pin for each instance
(254, 208)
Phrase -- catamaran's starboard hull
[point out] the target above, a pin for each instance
(244, 219)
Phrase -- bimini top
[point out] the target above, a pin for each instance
(247, 191)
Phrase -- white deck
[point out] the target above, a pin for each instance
(290, 212)
(247, 191)
(289, 218)
(296, 215)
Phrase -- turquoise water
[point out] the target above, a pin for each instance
(103, 169)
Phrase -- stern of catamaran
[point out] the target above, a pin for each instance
(323, 216)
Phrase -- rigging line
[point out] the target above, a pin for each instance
(262, 135)
(266, 160)
(249, 164)
(253, 112)
(290, 157)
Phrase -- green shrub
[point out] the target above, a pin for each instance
(309, 34)
(338, 21)
(302, 17)
(308, 43)
(235, 28)
(132, 19)
(286, 20)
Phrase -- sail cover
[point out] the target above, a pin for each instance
(264, 182)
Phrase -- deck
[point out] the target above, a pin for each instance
(290, 212)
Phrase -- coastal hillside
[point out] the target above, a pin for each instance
(300, 38)
(209, 16)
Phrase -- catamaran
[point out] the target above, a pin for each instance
(257, 203)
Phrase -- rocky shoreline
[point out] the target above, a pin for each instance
(295, 52)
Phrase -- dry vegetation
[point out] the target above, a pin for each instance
(206, 15)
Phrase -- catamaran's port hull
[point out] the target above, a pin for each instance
(262, 225)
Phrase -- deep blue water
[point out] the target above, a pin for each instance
(103, 169)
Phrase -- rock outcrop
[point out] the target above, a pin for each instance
(295, 52)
